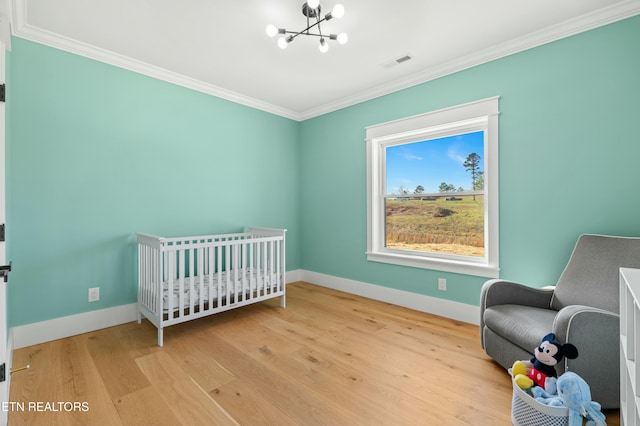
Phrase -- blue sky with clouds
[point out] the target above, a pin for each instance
(429, 163)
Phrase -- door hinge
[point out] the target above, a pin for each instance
(4, 272)
(2, 90)
(1, 232)
(3, 372)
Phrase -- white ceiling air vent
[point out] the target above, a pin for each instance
(399, 60)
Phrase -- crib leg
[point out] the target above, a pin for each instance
(139, 316)
(160, 337)
(283, 301)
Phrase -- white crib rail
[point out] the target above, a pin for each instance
(186, 278)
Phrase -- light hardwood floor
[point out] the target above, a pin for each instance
(329, 358)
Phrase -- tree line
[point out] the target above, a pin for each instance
(471, 164)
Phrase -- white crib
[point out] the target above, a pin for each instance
(181, 279)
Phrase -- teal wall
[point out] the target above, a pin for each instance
(96, 153)
(569, 152)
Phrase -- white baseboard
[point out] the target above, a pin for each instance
(432, 305)
(58, 328)
(293, 276)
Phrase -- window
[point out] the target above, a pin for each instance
(432, 183)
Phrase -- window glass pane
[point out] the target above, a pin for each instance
(434, 198)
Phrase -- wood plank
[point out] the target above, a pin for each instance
(117, 368)
(135, 409)
(197, 363)
(302, 405)
(371, 401)
(61, 372)
(188, 402)
(249, 407)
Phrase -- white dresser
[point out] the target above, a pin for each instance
(629, 347)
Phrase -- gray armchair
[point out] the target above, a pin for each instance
(582, 308)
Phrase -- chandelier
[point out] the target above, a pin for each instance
(312, 10)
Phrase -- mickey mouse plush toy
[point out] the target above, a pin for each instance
(540, 370)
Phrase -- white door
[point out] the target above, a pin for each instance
(4, 385)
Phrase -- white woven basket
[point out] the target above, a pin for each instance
(526, 411)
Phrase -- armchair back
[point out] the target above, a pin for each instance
(591, 276)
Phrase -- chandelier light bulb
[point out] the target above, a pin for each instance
(324, 46)
(337, 11)
(313, 4)
(271, 30)
(282, 43)
(343, 38)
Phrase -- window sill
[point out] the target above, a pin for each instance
(445, 265)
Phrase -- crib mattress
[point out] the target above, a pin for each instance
(247, 282)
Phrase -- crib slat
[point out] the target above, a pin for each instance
(180, 268)
(279, 263)
(257, 268)
(271, 267)
(234, 270)
(240, 268)
(149, 278)
(227, 266)
(265, 250)
(155, 293)
(275, 281)
(191, 272)
(250, 266)
(219, 275)
(200, 274)
(141, 279)
(244, 279)
(210, 266)
(170, 264)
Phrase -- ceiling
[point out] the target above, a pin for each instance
(221, 47)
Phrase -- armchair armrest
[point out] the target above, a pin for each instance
(500, 292)
(580, 322)
(595, 332)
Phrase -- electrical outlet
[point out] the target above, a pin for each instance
(442, 284)
(94, 294)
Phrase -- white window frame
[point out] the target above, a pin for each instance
(465, 118)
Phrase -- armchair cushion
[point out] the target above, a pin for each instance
(498, 292)
(524, 326)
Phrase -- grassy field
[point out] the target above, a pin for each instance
(454, 227)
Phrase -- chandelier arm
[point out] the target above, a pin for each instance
(306, 30)
(295, 34)
(320, 29)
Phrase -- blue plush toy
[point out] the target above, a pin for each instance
(573, 393)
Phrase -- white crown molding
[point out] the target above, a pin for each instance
(23, 30)
(586, 22)
(550, 34)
